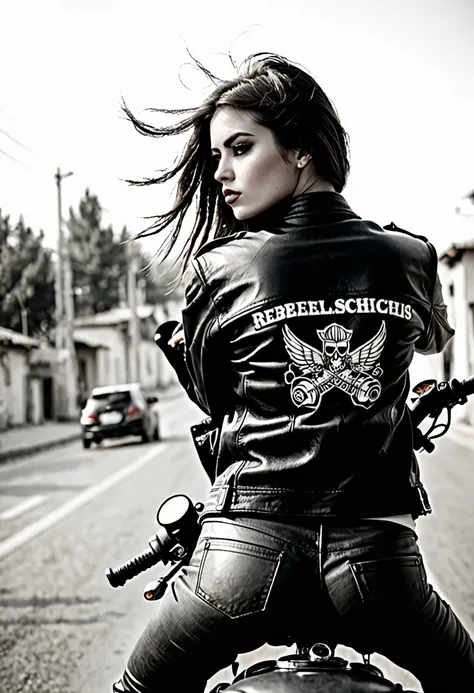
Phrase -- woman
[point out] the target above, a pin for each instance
(301, 321)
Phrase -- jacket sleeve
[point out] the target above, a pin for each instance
(438, 331)
(205, 357)
(175, 355)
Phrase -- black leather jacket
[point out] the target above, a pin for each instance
(299, 333)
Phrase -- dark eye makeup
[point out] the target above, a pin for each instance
(237, 150)
(241, 148)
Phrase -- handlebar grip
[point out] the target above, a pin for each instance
(467, 386)
(117, 577)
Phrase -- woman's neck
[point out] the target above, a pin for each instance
(313, 185)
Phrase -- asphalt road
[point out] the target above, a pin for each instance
(67, 515)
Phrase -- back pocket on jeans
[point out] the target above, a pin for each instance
(236, 577)
(397, 581)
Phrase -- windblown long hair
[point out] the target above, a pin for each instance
(278, 94)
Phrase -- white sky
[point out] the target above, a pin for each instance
(400, 72)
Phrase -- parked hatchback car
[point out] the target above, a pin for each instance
(116, 411)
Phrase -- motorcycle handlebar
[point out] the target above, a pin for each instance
(440, 395)
(177, 532)
(468, 386)
(118, 576)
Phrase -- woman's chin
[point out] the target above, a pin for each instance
(247, 212)
(242, 214)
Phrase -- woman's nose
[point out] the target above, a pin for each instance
(224, 171)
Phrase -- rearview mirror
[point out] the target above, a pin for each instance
(152, 399)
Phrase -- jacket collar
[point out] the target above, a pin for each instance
(309, 209)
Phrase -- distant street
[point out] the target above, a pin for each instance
(67, 515)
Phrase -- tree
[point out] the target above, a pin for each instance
(26, 279)
(98, 259)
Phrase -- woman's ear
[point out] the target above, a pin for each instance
(302, 158)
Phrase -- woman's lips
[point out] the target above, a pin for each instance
(230, 198)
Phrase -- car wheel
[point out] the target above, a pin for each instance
(156, 432)
(145, 437)
(86, 443)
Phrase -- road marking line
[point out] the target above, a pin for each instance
(21, 508)
(28, 533)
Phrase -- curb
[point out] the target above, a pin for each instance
(26, 450)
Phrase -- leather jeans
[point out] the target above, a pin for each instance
(253, 580)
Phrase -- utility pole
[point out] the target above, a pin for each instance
(133, 325)
(59, 285)
(65, 303)
(69, 306)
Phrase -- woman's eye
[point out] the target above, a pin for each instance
(239, 149)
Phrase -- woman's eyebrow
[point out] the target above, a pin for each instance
(233, 137)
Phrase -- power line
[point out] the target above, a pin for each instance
(13, 158)
(15, 140)
(42, 165)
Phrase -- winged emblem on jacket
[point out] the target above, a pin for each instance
(312, 372)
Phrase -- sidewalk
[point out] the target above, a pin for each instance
(25, 440)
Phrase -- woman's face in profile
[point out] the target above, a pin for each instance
(250, 166)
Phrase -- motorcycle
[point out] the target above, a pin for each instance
(313, 667)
